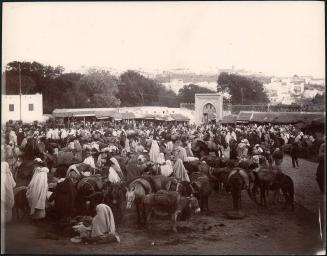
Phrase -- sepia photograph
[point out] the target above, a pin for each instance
(163, 128)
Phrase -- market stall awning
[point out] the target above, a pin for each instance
(180, 117)
(168, 118)
(105, 114)
(117, 116)
(61, 113)
(139, 116)
(128, 115)
(263, 117)
(244, 117)
(83, 113)
(149, 117)
(72, 113)
(278, 117)
(230, 119)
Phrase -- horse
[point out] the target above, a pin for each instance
(286, 184)
(201, 148)
(135, 193)
(267, 180)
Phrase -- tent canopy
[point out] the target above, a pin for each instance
(180, 117)
(230, 119)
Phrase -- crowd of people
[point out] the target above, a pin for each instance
(100, 146)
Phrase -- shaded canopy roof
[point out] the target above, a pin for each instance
(279, 117)
(70, 113)
(179, 117)
(230, 119)
(105, 114)
(128, 115)
(244, 116)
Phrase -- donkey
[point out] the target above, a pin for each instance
(135, 193)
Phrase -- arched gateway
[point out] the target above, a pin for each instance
(208, 106)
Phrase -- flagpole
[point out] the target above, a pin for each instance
(20, 94)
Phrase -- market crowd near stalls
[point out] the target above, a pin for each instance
(84, 177)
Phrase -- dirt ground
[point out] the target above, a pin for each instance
(262, 231)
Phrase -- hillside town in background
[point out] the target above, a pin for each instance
(103, 87)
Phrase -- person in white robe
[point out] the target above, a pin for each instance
(113, 176)
(89, 160)
(116, 166)
(102, 227)
(55, 134)
(154, 152)
(13, 137)
(167, 168)
(180, 152)
(37, 191)
(127, 146)
(49, 134)
(7, 191)
(161, 159)
(170, 146)
(63, 134)
(180, 172)
(233, 135)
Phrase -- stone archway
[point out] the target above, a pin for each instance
(209, 113)
(208, 106)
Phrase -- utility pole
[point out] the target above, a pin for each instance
(242, 95)
(20, 94)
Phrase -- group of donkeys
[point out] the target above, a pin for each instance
(211, 173)
(150, 191)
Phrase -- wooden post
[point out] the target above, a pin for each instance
(20, 94)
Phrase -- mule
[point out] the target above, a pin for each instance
(135, 193)
(171, 202)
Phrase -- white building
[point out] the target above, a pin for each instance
(28, 108)
(285, 90)
(317, 81)
(310, 94)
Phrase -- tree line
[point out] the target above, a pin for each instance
(99, 88)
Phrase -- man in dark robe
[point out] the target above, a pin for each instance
(64, 196)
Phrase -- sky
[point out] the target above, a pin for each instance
(276, 38)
